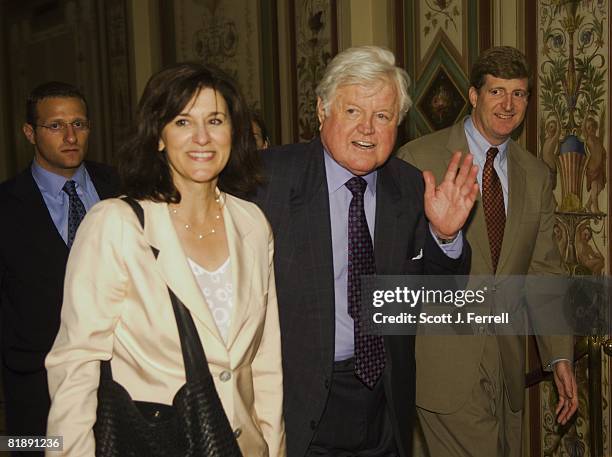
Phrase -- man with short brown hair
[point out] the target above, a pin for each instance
(42, 207)
(470, 389)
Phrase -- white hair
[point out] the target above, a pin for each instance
(365, 65)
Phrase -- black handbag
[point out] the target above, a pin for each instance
(195, 425)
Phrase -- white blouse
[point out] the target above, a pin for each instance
(217, 288)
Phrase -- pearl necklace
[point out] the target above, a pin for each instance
(188, 227)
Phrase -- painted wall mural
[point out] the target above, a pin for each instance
(442, 21)
(437, 60)
(225, 33)
(573, 126)
(315, 43)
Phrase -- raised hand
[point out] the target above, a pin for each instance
(448, 205)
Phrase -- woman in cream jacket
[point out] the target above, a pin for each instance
(193, 144)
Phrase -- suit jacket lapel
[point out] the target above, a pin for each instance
(173, 267)
(476, 226)
(516, 201)
(242, 259)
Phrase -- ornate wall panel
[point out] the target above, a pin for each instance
(121, 101)
(237, 35)
(442, 22)
(441, 39)
(225, 33)
(573, 139)
(314, 43)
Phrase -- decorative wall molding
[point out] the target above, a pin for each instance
(440, 40)
(441, 22)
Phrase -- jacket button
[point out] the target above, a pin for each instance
(157, 414)
(237, 432)
(225, 376)
(326, 383)
(313, 425)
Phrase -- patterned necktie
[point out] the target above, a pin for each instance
(493, 204)
(76, 210)
(369, 349)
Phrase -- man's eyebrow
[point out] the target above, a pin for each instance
(62, 119)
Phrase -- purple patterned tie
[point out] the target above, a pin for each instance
(369, 349)
(76, 210)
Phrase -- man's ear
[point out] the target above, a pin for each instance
(320, 111)
(28, 131)
(473, 95)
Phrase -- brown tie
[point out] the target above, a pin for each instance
(493, 204)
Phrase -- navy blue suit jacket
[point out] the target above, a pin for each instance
(296, 202)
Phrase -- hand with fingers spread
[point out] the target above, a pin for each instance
(448, 205)
(565, 381)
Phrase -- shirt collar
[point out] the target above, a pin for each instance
(53, 183)
(482, 143)
(337, 176)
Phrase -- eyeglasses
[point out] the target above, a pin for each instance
(60, 126)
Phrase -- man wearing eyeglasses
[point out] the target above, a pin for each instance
(41, 209)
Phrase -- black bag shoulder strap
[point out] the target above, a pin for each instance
(137, 209)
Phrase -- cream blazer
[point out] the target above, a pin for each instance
(116, 306)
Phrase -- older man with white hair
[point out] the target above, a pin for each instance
(341, 208)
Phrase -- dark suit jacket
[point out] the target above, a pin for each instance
(296, 202)
(32, 265)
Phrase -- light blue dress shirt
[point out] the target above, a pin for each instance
(479, 147)
(339, 201)
(56, 200)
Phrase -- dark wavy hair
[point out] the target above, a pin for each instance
(144, 170)
(257, 118)
(503, 62)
